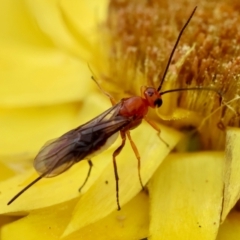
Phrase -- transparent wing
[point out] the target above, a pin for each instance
(57, 155)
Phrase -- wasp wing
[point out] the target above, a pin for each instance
(58, 155)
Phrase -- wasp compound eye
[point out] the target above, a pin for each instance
(158, 102)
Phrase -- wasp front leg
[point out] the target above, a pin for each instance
(154, 125)
(104, 92)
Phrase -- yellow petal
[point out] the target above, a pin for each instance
(41, 76)
(4, 220)
(49, 191)
(70, 24)
(182, 117)
(100, 200)
(5, 172)
(231, 171)
(83, 19)
(230, 229)
(186, 197)
(18, 25)
(36, 68)
(25, 130)
(49, 223)
(119, 225)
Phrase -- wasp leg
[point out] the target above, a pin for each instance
(154, 125)
(134, 147)
(116, 152)
(88, 175)
(104, 92)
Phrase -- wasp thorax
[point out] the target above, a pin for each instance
(153, 97)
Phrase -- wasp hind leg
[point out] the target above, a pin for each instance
(115, 154)
(88, 175)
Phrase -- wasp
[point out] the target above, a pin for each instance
(91, 138)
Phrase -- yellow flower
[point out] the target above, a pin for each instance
(46, 90)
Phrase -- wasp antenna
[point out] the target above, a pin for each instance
(220, 94)
(174, 48)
